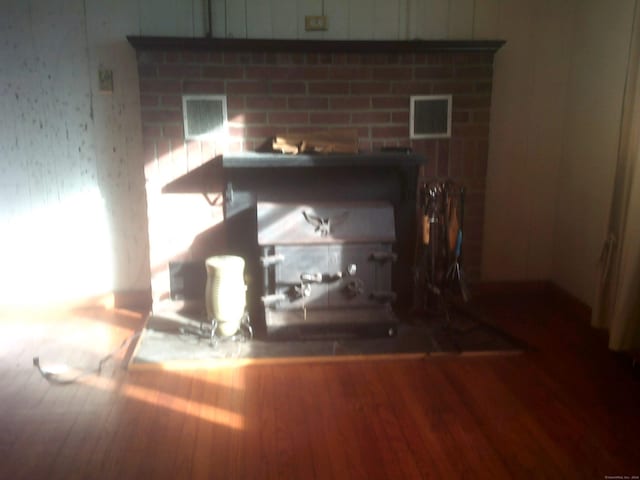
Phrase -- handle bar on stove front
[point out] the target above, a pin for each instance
(318, 277)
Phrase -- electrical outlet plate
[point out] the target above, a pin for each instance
(314, 23)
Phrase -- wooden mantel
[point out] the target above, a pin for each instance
(316, 46)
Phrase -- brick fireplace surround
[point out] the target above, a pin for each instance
(296, 86)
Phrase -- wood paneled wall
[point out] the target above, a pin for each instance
(540, 136)
(347, 19)
(72, 207)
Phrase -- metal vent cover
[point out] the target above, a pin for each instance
(205, 116)
(430, 116)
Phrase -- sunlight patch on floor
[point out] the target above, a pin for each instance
(154, 398)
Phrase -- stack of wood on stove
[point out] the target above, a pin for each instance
(328, 141)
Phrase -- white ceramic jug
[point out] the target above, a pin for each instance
(225, 295)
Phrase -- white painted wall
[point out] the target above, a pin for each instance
(72, 207)
(600, 44)
(527, 128)
(71, 181)
(555, 124)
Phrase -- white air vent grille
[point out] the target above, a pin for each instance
(205, 116)
(430, 116)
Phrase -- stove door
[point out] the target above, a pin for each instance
(297, 261)
(372, 279)
(351, 291)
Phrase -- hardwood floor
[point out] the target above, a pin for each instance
(568, 408)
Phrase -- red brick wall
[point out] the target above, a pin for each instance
(270, 93)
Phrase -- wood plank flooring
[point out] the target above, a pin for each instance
(568, 408)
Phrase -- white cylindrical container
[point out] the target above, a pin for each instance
(225, 295)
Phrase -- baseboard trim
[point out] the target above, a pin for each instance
(570, 303)
(518, 287)
(563, 299)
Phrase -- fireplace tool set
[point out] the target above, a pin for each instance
(438, 272)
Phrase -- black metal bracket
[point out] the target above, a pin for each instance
(213, 201)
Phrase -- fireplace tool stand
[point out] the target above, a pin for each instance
(438, 273)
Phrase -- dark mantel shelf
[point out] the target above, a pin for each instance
(317, 46)
(276, 160)
(209, 177)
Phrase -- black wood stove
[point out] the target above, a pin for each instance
(328, 239)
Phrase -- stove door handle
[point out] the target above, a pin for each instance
(269, 260)
(273, 299)
(311, 277)
(328, 277)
